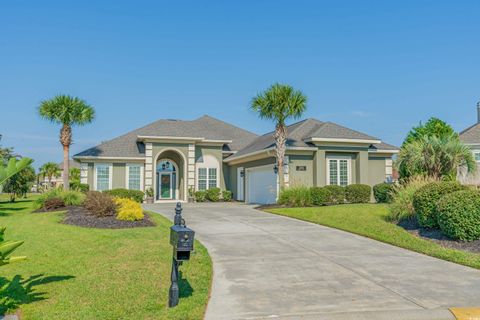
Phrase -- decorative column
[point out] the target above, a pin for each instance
(286, 168)
(191, 167)
(148, 165)
(388, 168)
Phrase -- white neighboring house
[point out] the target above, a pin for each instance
(58, 181)
(471, 137)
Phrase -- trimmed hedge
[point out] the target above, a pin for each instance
(200, 196)
(426, 198)
(459, 215)
(337, 194)
(358, 193)
(213, 194)
(227, 195)
(383, 192)
(135, 195)
(320, 196)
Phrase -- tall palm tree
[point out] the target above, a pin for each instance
(436, 157)
(67, 111)
(279, 103)
(50, 170)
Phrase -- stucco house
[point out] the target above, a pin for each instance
(175, 156)
(471, 137)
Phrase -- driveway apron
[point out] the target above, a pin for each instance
(273, 267)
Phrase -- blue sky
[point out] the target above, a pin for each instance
(375, 66)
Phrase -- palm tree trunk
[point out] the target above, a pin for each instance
(280, 137)
(66, 140)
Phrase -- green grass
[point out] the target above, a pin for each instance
(81, 273)
(371, 220)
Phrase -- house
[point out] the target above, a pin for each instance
(174, 156)
(57, 181)
(471, 137)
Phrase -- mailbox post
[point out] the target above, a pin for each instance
(182, 239)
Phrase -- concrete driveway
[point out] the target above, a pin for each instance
(273, 267)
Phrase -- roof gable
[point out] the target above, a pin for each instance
(471, 135)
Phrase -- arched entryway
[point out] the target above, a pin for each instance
(169, 181)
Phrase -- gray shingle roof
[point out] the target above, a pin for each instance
(471, 134)
(384, 146)
(203, 127)
(300, 132)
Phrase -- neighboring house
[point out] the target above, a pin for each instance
(58, 181)
(471, 137)
(174, 156)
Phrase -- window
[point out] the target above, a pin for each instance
(338, 172)
(134, 177)
(102, 176)
(477, 156)
(207, 178)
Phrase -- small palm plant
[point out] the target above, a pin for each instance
(67, 111)
(279, 103)
(7, 247)
(49, 170)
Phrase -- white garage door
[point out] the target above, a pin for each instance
(261, 185)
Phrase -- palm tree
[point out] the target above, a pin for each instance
(436, 157)
(67, 111)
(279, 103)
(50, 170)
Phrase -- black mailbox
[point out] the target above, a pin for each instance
(181, 238)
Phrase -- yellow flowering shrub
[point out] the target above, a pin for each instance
(128, 210)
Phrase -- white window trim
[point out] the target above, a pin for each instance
(475, 152)
(127, 175)
(110, 174)
(207, 177)
(209, 162)
(349, 166)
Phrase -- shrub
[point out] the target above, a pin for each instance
(383, 192)
(70, 198)
(337, 194)
(200, 196)
(320, 196)
(425, 201)
(100, 204)
(128, 209)
(402, 203)
(73, 198)
(77, 186)
(459, 214)
(53, 203)
(213, 194)
(295, 197)
(227, 195)
(358, 193)
(135, 195)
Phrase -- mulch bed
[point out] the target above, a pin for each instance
(79, 216)
(438, 237)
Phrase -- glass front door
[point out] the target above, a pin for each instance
(165, 186)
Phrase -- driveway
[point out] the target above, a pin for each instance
(273, 267)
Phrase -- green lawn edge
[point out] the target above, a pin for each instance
(370, 220)
(81, 273)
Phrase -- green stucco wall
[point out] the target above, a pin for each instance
(215, 151)
(300, 178)
(119, 175)
(376, 170)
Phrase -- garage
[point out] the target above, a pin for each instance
(261, 185)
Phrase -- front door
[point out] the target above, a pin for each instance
(166, 185)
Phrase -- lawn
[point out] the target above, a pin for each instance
(370, 220)
(81, 273)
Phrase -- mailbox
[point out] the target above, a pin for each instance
(181, 238)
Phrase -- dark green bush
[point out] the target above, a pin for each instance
(320, 196)
(227, 195)
(337, 194)
(459, 215)
(200, 196)
(295, 197)
(100, 204)
(135, 195)
(213, 194)
(358, 193)
(383, 192)
(426, 198)
(77, 186)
